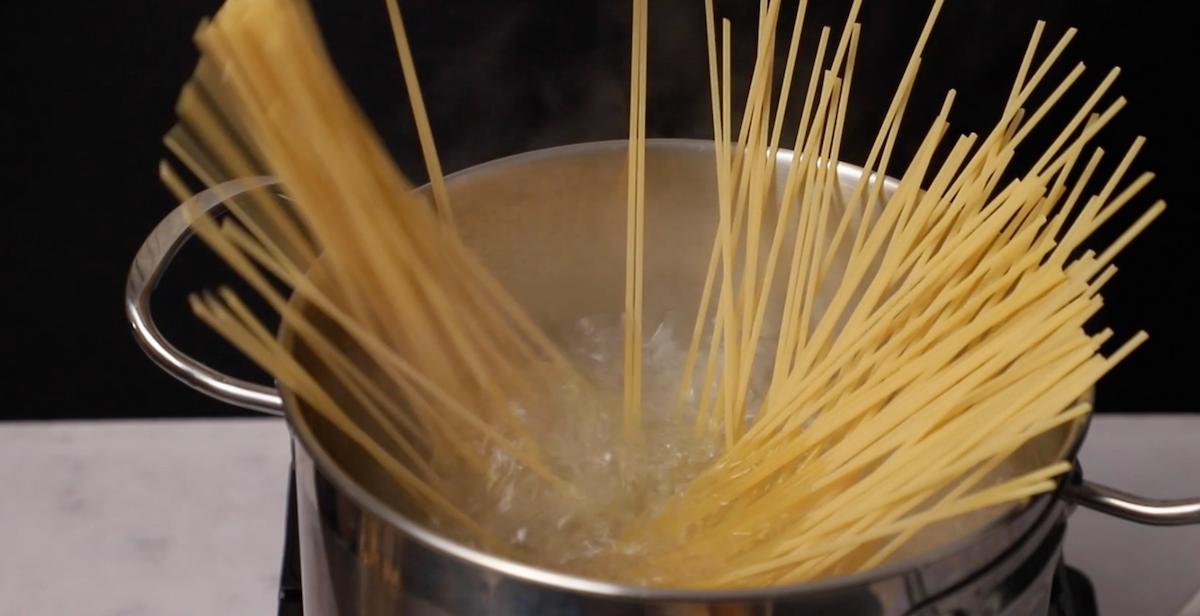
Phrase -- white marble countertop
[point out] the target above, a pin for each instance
(183, 517)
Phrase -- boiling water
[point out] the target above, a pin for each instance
(620, 484)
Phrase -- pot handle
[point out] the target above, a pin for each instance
(148, 266)
(1132, 507)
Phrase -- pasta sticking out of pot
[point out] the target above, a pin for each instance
(865, 358)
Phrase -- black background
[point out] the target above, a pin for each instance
(89, 89)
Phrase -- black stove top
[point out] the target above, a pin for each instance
(1072, 594)
(291, 603)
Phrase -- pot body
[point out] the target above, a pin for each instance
(356, 563)
(550, 225)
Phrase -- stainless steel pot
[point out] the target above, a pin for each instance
(550, 224)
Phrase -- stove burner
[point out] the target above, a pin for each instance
(1071, 595)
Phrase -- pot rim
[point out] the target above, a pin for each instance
(324, 463)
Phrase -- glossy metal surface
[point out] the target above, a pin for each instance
(356, 562)
(1160, 512)
(148, 266)
(362, 551)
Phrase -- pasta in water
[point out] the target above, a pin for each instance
(926, 328)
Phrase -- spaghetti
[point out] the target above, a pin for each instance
(916, 332)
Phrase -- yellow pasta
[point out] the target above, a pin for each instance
(914, 333)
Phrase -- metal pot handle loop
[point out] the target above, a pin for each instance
(148, 266)
(1132, 507)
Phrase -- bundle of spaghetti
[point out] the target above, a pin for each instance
(953, 334)
(920, 332)
(415, 352)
